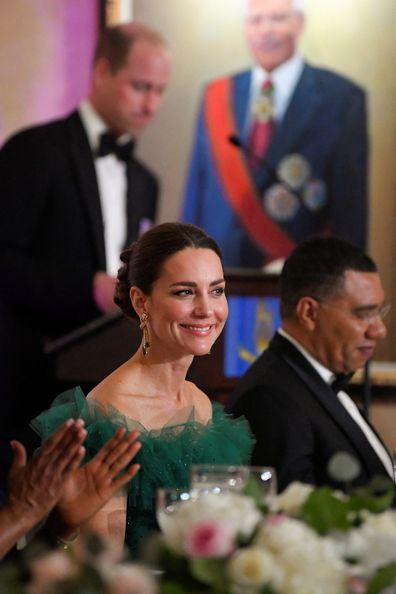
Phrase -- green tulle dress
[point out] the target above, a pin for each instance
(165, 456)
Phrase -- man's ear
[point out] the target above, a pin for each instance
(101, 70)
(307, 312)
(138, 300)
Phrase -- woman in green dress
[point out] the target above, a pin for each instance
(172, 280)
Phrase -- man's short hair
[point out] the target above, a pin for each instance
(115, 42)
(317, 268)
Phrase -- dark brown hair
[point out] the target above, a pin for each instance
(115, 42)
(143, 259)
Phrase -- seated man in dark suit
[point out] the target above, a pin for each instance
(332, 305)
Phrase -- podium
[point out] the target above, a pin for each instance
(85, 356)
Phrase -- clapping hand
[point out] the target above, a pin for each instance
(92, 485)
(35, 486)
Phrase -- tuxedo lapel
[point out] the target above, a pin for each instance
(329, 401)
(84, 168)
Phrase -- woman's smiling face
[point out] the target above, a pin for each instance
(187, 307)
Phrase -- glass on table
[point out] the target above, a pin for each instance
(217, 478)
(167, 501)
(265, 480)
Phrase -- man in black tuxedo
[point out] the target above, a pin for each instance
(72, 196)
(332, 305)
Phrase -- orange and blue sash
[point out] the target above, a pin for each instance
(235, 177)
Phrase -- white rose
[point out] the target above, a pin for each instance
(385, 522)
(291, 500)
(373, 544)
(243, 514)
(309, 563)
(252, 568)
(279, 532)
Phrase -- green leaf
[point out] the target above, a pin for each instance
(170, 560)
(11, 579)
(172, 587)
(267, 590)
(177, 578)
(175, 587)
(324, 512)
(370, 500)
(210, 572)
(386, 576)
(254, 489)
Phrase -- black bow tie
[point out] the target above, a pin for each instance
(108, 145)
(340, 381)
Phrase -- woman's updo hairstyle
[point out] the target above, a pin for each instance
(144, 258)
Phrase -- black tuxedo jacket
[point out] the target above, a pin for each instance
(51, 245)
(51, 227)
(297, 419)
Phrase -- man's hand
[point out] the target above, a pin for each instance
(103, 292)
(92, 485)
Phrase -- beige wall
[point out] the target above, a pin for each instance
(355, 37)
(45, 55)
(206, 40)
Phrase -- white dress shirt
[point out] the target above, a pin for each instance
(349, 405)
(112, 184)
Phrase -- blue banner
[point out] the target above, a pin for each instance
(252, 321)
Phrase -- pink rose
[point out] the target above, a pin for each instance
(50, 568)
(276, 519)
(209, 539)
(357, 585)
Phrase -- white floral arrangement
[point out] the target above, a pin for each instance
(304, 541)
(309, 541)
(90, 566)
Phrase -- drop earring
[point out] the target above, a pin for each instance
(146, 336)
